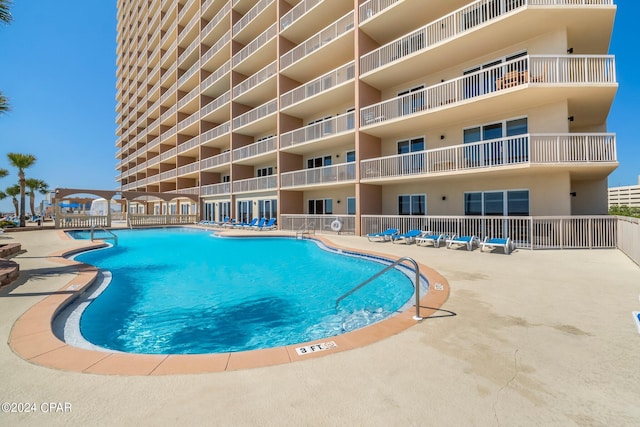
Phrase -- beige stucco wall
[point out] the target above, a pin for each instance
(590, 198)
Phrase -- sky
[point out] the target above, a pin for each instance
(58, 69)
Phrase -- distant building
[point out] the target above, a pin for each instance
(625, 196)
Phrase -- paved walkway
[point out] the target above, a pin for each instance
(533, 338)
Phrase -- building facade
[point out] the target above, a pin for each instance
(628, 195)
(312, 110)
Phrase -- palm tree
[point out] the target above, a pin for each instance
(13, 192)
(4, 102)
(5, 15)
(22, 162)
(35, 185)
(3, 173)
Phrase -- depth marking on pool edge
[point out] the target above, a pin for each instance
(314, 348)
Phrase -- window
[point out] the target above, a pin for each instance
(318, 162)
(322, 126)
(411, 164)
(245, 211)
(411, 145)
(491, 153)
(268, 208)
(351, 118)
(209, 211)
(265, 171)
(412, 204)
(499, 203)
(351, 205)
(411, 100)
(224, 210)
(351, 156)
(320, 206)
(226, 178)
(184, 209)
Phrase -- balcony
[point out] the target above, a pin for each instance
(213, 137)
(262, 183)
(215, 162)
(208, 112)
(189, 145)
(326, 175)
(333, 132)
(255, 150)
(191, 168)
(215, 189)
(597, 151)
(589, 81)
(587, 23)
(214, 83)
(254, 121)
(253, 85)
(216, 53)
(266, 40)
(257, 17)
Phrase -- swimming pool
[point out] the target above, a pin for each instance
(184, 291)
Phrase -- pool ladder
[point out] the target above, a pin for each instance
(113, 236)
(384, 270)
(304, 229)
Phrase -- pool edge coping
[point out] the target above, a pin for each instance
(32, 337)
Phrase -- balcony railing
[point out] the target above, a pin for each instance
(226, 38)
(216, 75)
(214, 161)
(319, 85)
(214, 133)
(256, 184)
(257, 148)
(327, 35)
(371, 8)
(188, 97)
(256, 114)
(215, 189)
(250, 15)
(168, 174)
(255, 44)
(297, 12)
(323, 129)
(185, 123)
(216, 19)
(172, 152)
(532, 69)
(191, 167)
(451, 25)
(255, 79)
(185, 146)
(344, 172)
(216, 103)
(189, 73)
(317, 223)
(509, 151)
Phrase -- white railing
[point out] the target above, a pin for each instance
(194, 20)
(371, 8)
(628, 234)
(256, 184)
(526, 232)
(172, 152)
(184, 9)
(226, 38)
(343, 172)
(257, 148)
(215, 189)
(64, 220)
(142, 220)
(185, 123)
(323, 129)
(194, 44)
(532, 69)
(317, 223)
(193, 142)
(214, 133)
(508, 151)
(257, 113)
(255, 44)
(315, 42)
(297, 12)
(168, 174)
(188, 97)
(217, 160)
(191, 167)
(192, 190)
(458, 22)
(319, 85)
(216, 19)
(255, 79)
(189, 73)
(216, 103)
(250, 15)
(164, 116)
(169, 92)
(215, 76)
(168, 134)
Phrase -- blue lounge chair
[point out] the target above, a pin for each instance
(434, 239)
(260, 223)
(496, 242)
(383, 235)
(467, 241)
(406, 238)
(249, 224)
(269, 225)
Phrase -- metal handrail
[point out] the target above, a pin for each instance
(114, 237)
(304, 228)
(380, 273)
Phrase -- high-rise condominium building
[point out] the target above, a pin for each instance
(360, 110)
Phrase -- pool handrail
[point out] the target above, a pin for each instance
(384, 270)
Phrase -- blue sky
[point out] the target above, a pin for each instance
(58, 70)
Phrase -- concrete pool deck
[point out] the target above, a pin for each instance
(532, 338)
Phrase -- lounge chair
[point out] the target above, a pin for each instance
(406, 238)
(383, 235)
(467, 241)
(249, 224)
(432, 239)
(269, 225)
(496, 242)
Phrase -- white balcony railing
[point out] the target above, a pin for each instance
(168, 174)
(257, 113)
(530, 70)
(216, 19)
(319, 85)
(172, 152)
(217, 160)
(257, 148)
(250, 15)
(190, 168)
(315, 42)
(215, 189)
(214, 133)
(255, 184)
(189, 73)
(216, 103)
(185, 146)
(458, 22)
(255, 79)
(317, 223)
(226, 38)
(371, 8)
(323, 129)
(185, 123)
(297, 12)
(509, 151)
(188, 97)
(216, 75)
(255, 44)
(343, 172)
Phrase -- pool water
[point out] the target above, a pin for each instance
(186, 291)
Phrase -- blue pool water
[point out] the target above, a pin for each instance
(185, 291)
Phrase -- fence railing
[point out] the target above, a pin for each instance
(218, 159)
(319, 85)
(518, 149)
(80, 221)
(317, 223)
(260, 147)
(322, 129)
(214, 189)
(145, 220)
(343, 172)
(255, 44)
(298, 11)
(255, 79)
(532, 69)
(250, 15)
(257, 113)
(214, 133)
(372, 7)
(628, 237)
(255, 184)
